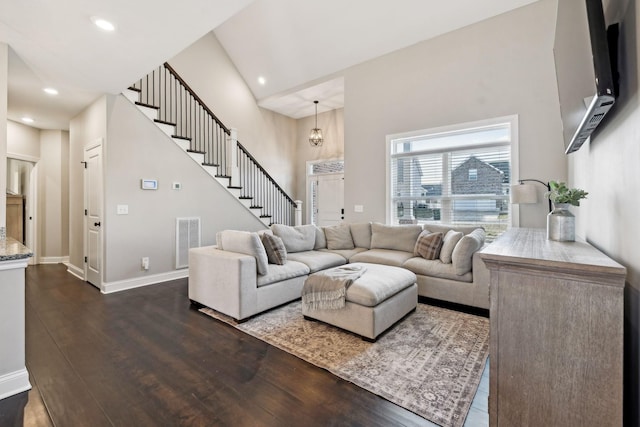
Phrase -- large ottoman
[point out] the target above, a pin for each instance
(374, 302)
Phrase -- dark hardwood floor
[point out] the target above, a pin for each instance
(145, 358)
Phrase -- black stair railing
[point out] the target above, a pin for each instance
(178, 105)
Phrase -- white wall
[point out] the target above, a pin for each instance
(607, 168)
(498, 67)
(23, 141)
(53, 200)
(270, 137)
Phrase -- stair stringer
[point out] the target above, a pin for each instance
(198, 158)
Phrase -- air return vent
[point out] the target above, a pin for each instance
(187, 236)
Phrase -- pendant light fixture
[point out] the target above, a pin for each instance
(315, 137)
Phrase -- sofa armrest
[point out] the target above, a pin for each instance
(222, 280)
(481, 280)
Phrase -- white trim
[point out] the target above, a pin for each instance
(14, 264)
(24, 157)
(515, 160)
(74, 270)
(14, 382)
(123, 285)
(54, 260)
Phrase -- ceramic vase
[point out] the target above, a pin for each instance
(561, 224)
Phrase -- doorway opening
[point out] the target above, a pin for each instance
(325, 192)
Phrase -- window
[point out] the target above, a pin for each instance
(457, 176)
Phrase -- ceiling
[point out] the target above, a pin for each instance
(299, 47)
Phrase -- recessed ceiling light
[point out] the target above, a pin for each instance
(262, 80)
(27, 119)
(103, 24)
(50, 90)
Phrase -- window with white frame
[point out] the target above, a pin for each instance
(457, 176)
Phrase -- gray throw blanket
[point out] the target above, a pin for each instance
(326, 290)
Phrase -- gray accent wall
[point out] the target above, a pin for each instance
(137, 149)
(498, 67)
(607, 167)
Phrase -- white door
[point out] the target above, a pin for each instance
(329, 199)
(31, 211)
(93, 214)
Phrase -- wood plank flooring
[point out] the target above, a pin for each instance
(145, 358)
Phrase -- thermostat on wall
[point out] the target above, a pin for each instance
(149, 184)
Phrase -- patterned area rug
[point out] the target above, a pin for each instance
(430, 363)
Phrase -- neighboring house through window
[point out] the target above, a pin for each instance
(456, 175)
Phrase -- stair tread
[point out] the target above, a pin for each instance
(223, 176)
(135, 89)
(196, 152)
(181, 137)
(245, 198)
(164, 122)
(234, 187)
(210, 164)
(142, 104)
(255, 207)
(265, 216)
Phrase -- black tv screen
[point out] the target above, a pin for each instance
(583, 69)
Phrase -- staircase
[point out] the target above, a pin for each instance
(166, 99)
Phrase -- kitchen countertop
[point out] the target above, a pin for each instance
(11, 249)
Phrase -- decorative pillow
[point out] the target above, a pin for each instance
(361, 234)
(428, 245)
(296, 239)
(245, 242)
(338, 237)
(462, 257)
(449, 242)
(219, 240)
(276, 252)
(397, 237)
(321, 241)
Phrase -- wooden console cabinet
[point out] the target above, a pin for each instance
(556, 332)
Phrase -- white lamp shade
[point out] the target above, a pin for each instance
(524, 193)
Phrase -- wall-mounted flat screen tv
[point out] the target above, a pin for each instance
(583, 69)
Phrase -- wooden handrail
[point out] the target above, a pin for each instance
(196, 97)
(266, 174)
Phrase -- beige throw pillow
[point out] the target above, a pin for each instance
(448, 244)
(397, 237)
(296, 239)
(462, 257)
(248, 243)
(276, 252)
(338, 237)
(428, 245)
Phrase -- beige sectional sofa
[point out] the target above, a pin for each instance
(236, 278)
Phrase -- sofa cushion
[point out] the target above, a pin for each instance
(361, 234)
(382, 256)
(276, 252)
(398, 237)
(435, 268)
(318, 260)
(378, 283)
(345, 253)
(278, 273)
(428, 245)
(296, 239)
(339, 237)
(449, 242)
(439, 228)
(245, 242)
(321, 240)
(462, 256)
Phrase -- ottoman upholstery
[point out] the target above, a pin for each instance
(374, 302)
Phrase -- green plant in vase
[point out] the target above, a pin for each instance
(559, 193)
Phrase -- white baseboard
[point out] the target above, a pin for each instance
(123, 285)
(14, 383)
(76, 271)
(54, 260)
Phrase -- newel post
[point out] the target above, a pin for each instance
(232, 169)
(298, 217)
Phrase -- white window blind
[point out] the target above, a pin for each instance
(460, 177)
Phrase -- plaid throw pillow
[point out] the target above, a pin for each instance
(428, 245)
(274, 246)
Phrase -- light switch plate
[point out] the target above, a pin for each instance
(122, 209)
(358, 208)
